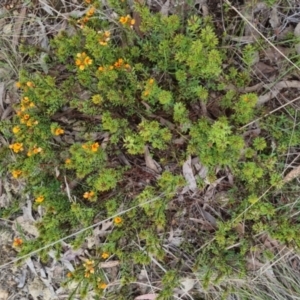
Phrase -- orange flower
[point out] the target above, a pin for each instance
(118, 220)
(91, 11)
(88, 195)
(102, 285)
(95, 147)
(119, 63)
(16, 147)
(37, 150)
(83, 60)
(16, 173)
(40, 199)
(69, 274)
(30, 84)
(127, 21)
(26, 117)
(59, 131)
(105, 255)
(17, 242)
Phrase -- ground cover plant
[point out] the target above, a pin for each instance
(145, 126)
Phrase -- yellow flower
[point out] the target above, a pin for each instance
(118, 220)
(17, 242)
(102, 285)
(105, 255)
(40, 199)
(16, 129)
(151, 81)
(95, 147)
(69, 274)
(18, 84)
(16, 147)
(16, 173)
(67, 161)
(59, 131)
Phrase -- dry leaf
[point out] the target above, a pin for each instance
(187, 284)
(2, 94)
(274, 20)
(150, 162)
(109, 264)
(275, 89)
(189, 175)
(292, 174)
(27, 226)
(165, 8)
(240, 229)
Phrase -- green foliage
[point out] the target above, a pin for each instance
(126, 87)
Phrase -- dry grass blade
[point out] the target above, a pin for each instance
(18, 26)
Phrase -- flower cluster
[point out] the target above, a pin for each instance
(149, 86)
(26, 103)
(28, 84)
(119, 64)
(87, 16)
(25, 118)
(89, 268)
(16, 147)
(16, 173)
(127, 21)
(83, 61)
(89, 195)
(94, 147)
(34, 150)
(91, 12)
(104, 37)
